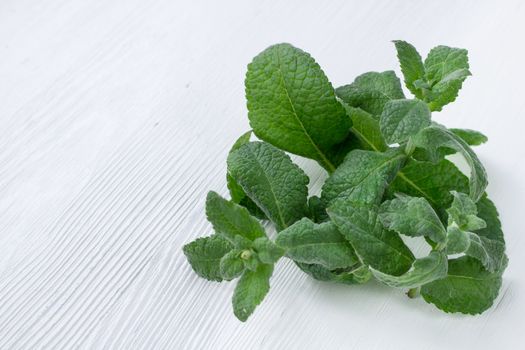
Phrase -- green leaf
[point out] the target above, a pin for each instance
(230, 219)
(412, 216)
(488, 212)
(366, 128)
(272, 181)
(370, 91)
(292, 105)
(363, 176)
(403, 118)
(357, 274)
(376, 247)
(458, 241)
(231, 265)
(236, 191)
(317, 210)
(251, 290)
(436, 136)
(433, 181)
(423, 271)
(205, 254)
(445, 70)
(471, 137)
(411, 65)
(468, 287)
(322, 244)
(267, 251)
(463, 212)
(250, 259)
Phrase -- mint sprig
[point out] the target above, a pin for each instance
(388, 179)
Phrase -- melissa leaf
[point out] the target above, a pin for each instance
(229, 219)
(205, 254)
(375, 246)
(251, 290)
(267, 251)
(292, 105)
(272, 181)
(436, 136)
(366, 128)
(463, 212)
(236, 191)
(472, 137)
(411, 66)
(371, 91)
(358, 274)
(423, 271)
(363, 176)
(321, 244)
(468, 288)
(403, 118)
(412, 216)
(231, 265)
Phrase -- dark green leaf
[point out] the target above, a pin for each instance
(292, 105)
(205, 254)
(251, 290)
(411, 65)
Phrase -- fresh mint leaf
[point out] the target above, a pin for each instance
(231, 265)
(317, 210)
(436, 136)
(366, 128)
(488, 212)
(292, 105)
(463, 212)
(411, 66)
(371, 91)
(412, 216)
(251, 290)
(445, 70)
(375, 246)
(432, 181)
(458, 241)
(272, 181)
(363, 176)
(358, 274)
(403, 118)
(205, 254)
(230, 219)
(424, 270)
(468, 287)
(471, 137)
(267, 251)
(250, 259)
(236, 191)
(322, 244)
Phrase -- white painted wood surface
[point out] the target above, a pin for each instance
(115, 120)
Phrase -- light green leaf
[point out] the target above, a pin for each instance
(472, 137)
(205, 254)
(236, 191)
(376, 247)
(490, 252)
(468, 287)
(272, 181)
(403, 118)
(370, 91)
(363, 176)
(251, 290)
(357, 274)
(231, 265)
(412, 216)
(230, 219)
(366, 128)
(292, 105)
(267, 251)
(463, 212)
(322, 244)
(411, 65)
(423, 271)
(445, 70)
(436, 136)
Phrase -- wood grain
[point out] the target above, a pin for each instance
(115, 121)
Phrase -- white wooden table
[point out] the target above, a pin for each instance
(115, 120)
